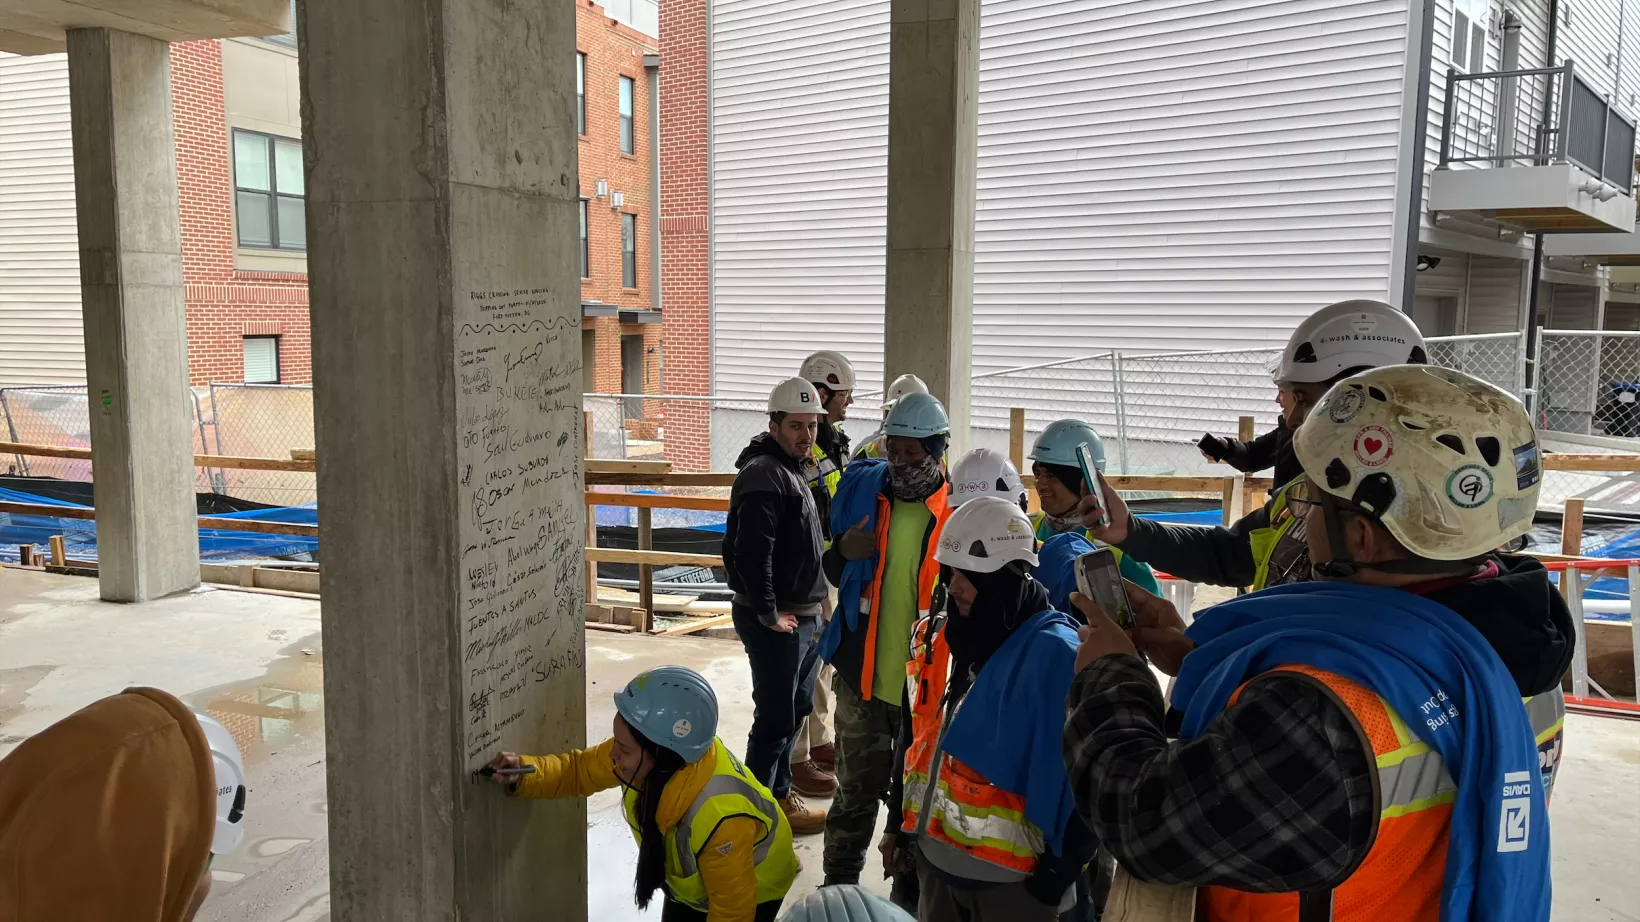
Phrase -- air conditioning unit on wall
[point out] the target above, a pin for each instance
(600, 188)
(616, 200)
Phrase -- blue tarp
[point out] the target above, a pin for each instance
(80, 535)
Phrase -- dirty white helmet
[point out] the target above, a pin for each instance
(985, 472)
(1346, 335)
(903, 385)
(845, 903)
(828, 368)
(230, 783)
(985, 535)
(1449, 463)
(795, 395)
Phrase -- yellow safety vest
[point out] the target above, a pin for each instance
(1265, 540)
(1043, 531)
(731, 791)
(824, 471)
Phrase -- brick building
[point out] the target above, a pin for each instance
(239, 167)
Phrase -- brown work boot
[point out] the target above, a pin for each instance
(825, 756)
(805, 820)
(809, 778)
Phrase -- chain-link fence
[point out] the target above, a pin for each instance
(694, 433)
(1588, 383)
(263, 421)
(59, 416)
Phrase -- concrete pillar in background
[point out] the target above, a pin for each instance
(136, 340)
(933, 137)
(445, 298)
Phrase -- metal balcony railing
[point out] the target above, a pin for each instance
(1535, 118)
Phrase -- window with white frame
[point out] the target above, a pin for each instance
(1470, 21)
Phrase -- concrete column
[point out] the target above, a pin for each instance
(933, 137)
(136, 338)
(445, 292)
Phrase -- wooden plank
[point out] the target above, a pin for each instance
(646, 572)
(1228, 497)
(261, 591)
(1556, 461)
(695, 627)
(657, 558)
(1244, 428)
(595, 479)
(264, 528)
(659, 501)
(612, 628)
(303, 454)
(1571, 527)
(61, 512)
(1016, 437)
(255, 464)
(1171, 484)
(617, 466)
(59, 555)
(45, 451)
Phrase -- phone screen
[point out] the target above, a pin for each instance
(1099, 577)
(1090, 480)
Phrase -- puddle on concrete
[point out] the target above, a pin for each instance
(15, 684)
(270, 848)
(220, 876)
(316, 910)
(264, 713)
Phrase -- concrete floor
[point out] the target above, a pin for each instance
(255, 660)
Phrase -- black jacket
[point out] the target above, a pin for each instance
(1272, 449)
(1218, 556)
(834, 443)
(771, 543)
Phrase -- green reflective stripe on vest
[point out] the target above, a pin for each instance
(825, 471)
(730, 792)
(1548, 714)
(1264, 540)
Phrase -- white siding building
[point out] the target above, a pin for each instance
(1154, 175)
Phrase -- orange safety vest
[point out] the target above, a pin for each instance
(1402, 874)
(939, 504)
(964, 824)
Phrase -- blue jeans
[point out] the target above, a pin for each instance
(783, 670)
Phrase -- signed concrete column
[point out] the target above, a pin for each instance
(443, 233)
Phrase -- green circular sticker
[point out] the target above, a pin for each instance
(1470, 486)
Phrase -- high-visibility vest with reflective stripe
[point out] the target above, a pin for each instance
(928, 573)
(1264, 540)
(824, 472)
(964, 825)
(875, 446)
(731, 791)
(1402, 874)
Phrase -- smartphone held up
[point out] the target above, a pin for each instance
(1090, 483)
(1099, 577)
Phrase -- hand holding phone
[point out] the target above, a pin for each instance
(1099, 577)
(1213, 447)
(1090, 483)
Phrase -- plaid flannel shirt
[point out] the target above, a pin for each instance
(1276, 795)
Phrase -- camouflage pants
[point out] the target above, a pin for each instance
(865, 760)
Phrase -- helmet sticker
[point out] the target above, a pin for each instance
(1363, 323)
(1017, 528)
(1374, 446)
(681, 728)
(1345, 405)
(1470, 486)
(1528, 468)
(833, 379)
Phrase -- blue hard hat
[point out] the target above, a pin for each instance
(845, 903)
(672, 707)
(917, 416)
(1057, 444)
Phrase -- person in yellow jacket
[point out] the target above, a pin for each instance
(708, 832)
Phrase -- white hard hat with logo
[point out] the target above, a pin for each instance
(795, 395)
(903, 385)
(1348, 335)
(985, 472)
(828, 368)
(1447, 462)
(230, 783)
(985, 535)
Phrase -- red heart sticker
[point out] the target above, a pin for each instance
(1374, 446)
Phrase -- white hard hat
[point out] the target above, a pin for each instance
(230, 783)
(828, 368)
(795, 395)
(1347, 335)
(845, 903)
(986, 535)
(985, 472)
(1449, 463)
(904, 384)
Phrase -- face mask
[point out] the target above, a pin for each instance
(991, 619)
(917, 480)
(1060, 524)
